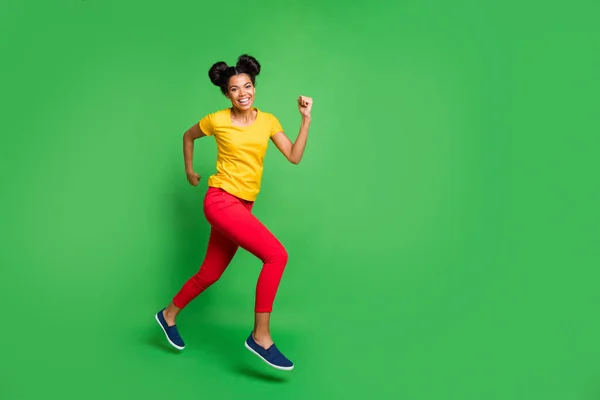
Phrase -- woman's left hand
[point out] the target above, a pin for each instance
(305, 105)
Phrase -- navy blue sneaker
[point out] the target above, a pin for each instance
(171, 332)
(271, 356)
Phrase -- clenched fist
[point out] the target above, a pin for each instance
(193, 178)
(305, 105)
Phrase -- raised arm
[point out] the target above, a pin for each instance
(294, 151)
(193, 133)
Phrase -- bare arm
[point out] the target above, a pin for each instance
(294, 151)
(193, 133)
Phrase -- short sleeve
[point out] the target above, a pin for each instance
(207, 124)
(275, 126)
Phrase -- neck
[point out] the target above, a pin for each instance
(244, 116)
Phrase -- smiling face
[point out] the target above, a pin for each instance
(240, 90)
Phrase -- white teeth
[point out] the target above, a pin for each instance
(244, 101)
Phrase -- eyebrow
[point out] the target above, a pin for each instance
(233, 86)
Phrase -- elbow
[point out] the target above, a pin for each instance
(294, 161)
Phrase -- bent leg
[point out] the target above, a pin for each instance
(234, 219)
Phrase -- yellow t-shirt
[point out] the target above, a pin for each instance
(240, 151)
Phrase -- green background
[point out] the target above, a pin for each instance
(442, 226)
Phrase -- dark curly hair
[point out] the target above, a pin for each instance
(220, 72)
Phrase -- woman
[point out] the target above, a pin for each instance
(242, 133)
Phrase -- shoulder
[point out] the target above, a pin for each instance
(215, 118)
(269, 117)
(271, 122)
(217, 115)
(211, 122)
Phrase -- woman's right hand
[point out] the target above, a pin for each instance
(193, 178)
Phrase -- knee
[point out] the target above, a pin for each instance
(283, 254)
(279, 256)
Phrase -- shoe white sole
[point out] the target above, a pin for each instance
(268, 363)
(165, 332)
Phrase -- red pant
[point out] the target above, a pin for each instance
(234, 226)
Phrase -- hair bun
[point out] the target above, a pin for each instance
(248, 64)
(219, 73)
(216, 73)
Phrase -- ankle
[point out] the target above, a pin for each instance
(169, 317)
(263, 339)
